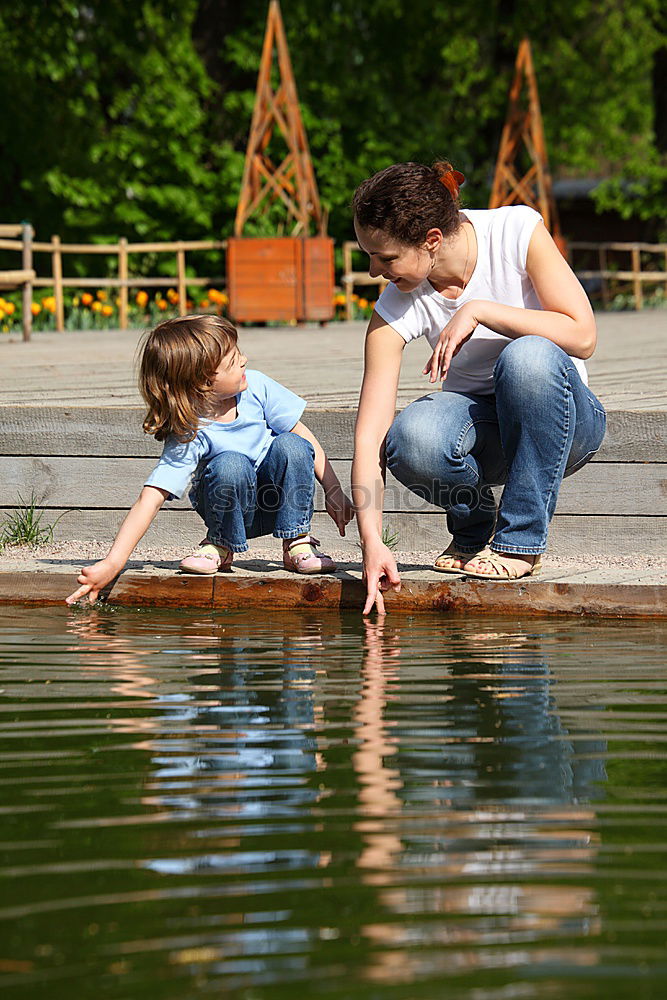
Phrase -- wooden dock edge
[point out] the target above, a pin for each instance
(535, 597)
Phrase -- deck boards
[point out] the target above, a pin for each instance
(70, 433)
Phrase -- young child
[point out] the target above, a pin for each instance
(235, 438)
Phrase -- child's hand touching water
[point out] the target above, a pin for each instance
(93, 579)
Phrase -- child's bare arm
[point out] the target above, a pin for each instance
(338, 505)
(134, 527)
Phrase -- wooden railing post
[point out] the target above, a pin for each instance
(57, 273)
(182, 290)
(604, 287)
(636, 278)
(27, 235)
(347, 268)
(122, 275)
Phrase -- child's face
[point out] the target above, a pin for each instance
(229, 379)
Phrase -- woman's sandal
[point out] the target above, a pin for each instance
(502, 571)
(306, 562)
(208, 560)
(447, 561)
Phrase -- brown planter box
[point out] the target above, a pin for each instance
(286, 278)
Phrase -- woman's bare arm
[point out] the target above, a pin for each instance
(566, 316)
(377, 406)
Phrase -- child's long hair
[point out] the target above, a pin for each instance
(179, 359)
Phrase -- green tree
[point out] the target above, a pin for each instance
(132, 119)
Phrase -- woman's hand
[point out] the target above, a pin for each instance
(380, 573)
(339, 507)
(93, 579)
(460, 328)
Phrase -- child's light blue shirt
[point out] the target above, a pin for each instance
(266, 408)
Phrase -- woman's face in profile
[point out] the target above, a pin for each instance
(405, 266)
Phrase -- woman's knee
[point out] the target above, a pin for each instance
(417, 443)
(527, 362)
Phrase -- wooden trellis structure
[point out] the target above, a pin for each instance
(286, 278)
(293, 180)
(523, 134)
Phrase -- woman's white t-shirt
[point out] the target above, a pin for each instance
(503, 236)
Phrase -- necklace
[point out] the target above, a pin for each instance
(464, 280)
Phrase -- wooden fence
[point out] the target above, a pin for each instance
(608, 276)
(25, 276)
(609, 273)
(122, 250)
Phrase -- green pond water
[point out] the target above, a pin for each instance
(253, 806)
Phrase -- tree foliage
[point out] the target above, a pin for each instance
(132, 119)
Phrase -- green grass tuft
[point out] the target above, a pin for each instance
(25, 526)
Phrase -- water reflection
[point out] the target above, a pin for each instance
(237, 806)
(485, 729)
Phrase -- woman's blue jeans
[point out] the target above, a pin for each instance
(238, 503)
(541, 424)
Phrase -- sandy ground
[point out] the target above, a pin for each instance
(67, 556)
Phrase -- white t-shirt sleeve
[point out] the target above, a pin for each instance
(402, 313)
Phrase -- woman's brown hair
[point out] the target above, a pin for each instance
(179, 359)
(407, 199)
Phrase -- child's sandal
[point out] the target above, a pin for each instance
(501, 570)
(207, 560)
(306, 562)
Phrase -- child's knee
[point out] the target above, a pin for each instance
(230, 468)
(293, 447)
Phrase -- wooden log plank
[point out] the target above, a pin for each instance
(603, 488)
(569, 537)
(632, 436)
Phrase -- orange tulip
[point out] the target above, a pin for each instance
(9, 308)
(86, 298)
(35, 308)
(107, 310)
(96, 306)
(141, 299)
(102, 296)
(204, 303)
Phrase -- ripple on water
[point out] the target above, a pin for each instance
(416, 807)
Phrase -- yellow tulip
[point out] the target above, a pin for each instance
(35, 308)
(107, 310)
(96, 306)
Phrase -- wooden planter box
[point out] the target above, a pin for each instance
(286, 278)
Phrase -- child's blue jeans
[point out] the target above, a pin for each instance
(542, 424)
(238, 503)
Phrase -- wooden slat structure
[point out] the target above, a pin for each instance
(88, 462)
(292, 181)
(284, 278)
(522, 173)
